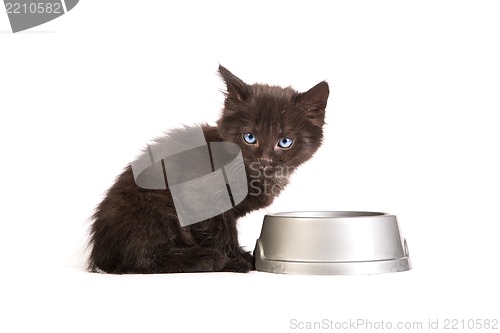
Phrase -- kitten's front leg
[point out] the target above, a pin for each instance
(239, 259)
(220, 233)
(227, 239)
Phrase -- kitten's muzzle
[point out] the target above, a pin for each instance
(265, 162)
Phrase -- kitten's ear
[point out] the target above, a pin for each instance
(314, 102)
(236, 88)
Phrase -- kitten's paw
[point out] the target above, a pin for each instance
(238, 265)
(249, 258)
(212, 260)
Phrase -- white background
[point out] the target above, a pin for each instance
(413, 129)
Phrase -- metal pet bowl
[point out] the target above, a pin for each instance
(331, 242)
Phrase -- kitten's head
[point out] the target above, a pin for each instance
(276, 128)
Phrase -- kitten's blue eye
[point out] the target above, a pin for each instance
(249, 138)
(285, 143)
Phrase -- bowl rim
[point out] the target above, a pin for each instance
(324, 214)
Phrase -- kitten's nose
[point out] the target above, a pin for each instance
(265, 161)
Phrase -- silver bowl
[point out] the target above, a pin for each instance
(331, 242)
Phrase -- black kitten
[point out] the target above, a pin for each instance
(137, 230)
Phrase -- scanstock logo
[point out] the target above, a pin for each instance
(26, 14)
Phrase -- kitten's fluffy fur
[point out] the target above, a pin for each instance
(136, 230)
